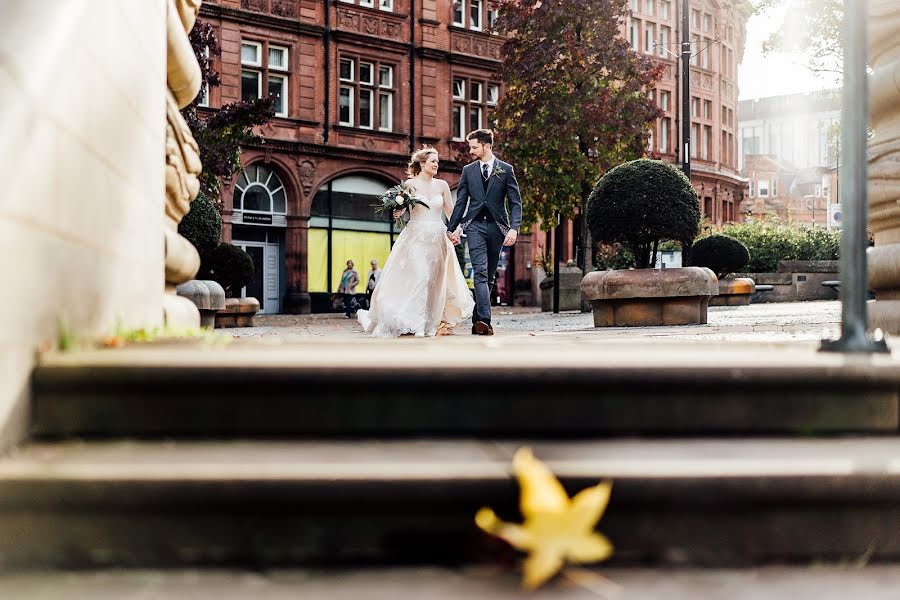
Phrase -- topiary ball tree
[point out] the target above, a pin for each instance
(641, 203)
(721, 254)
(202, 226)
(229, 266)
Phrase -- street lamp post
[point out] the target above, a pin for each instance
(686, 88)
(854, 128)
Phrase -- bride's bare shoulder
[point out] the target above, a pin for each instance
(443, 183)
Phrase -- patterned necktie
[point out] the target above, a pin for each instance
(484, 171)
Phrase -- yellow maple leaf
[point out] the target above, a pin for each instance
(556, 529)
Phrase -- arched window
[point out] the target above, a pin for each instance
(259, 189)
(350, 197)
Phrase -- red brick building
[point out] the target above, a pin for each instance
(361, 81)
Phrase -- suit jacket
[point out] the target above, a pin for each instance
(502, 186)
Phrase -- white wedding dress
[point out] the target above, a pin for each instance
(421, 285)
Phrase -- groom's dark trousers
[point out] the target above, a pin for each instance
(485, 243)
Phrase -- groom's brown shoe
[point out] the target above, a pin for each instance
(482, 328)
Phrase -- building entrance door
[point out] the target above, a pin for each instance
(264, 285)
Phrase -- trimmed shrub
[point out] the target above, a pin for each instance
(202, 226)
(817, 243)
(768, 242)
(771, 240)
(721, 254)
(639, 204)
(612, 256)
(227, 265)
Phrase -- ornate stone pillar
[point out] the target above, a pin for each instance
(297, 300)
(182, 160)
(884, 165)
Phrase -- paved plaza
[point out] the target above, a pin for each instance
(773, 322)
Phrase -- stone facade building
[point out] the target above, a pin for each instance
(798, 133)
(361, 81)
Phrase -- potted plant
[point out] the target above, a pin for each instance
(724, 255)
(640, 204)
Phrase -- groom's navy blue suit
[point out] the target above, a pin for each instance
(486, 223)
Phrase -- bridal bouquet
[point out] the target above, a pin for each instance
(397, 198)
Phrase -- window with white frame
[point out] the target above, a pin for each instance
(634, 35)
(473, 104)
(665, 125)
(774, 187)
(665, 34)
(492, 15)
(665, 100)
(752, 191)
(493, 94)
(665, 9)
(366, 94)
(203, 96)
(475, 19)
(265, 66)
(763, 188)
(476, 15)
(649, 37)
(385, 5)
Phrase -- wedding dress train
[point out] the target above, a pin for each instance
(422, 288)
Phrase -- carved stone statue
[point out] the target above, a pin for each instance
(182, 159)
(884, 165)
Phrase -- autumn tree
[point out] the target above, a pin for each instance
(221, 134)
(576, 102)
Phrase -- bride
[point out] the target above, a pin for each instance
(422, 290)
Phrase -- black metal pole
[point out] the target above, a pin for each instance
(686, 88)
(854, 241)
(557, 253)
(412, 76)
(327, 44)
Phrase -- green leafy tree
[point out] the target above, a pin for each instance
(221, 134)
(576, 102)
(812, 27)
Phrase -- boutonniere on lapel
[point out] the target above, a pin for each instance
(498, 171)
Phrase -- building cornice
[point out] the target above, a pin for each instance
(342, 153)
(260, 20)
(368, 40)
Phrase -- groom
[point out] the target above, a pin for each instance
(484, 187)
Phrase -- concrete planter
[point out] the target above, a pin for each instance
(207, 295)
(646, 297)
(798, 280)
(734, 292)
(569, 290)
(238, 312)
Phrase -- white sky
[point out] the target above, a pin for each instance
(778, 74)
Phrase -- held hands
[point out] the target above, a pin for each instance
(510, 238)
(455, 236)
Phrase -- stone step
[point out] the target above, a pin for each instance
(822, 582)
(262, 504)
(397, 390)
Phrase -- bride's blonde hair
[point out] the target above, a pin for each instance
(418, 157)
